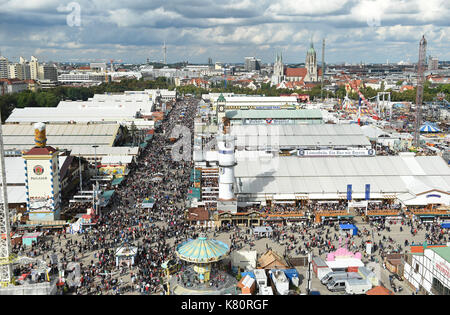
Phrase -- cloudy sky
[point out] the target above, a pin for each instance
(225, 30)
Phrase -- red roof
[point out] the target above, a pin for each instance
(41, 151)
(13, 81)
(198, 214)
(296, 72)
(310, 85)
(406, 87)
(421, 248)
(379, 290)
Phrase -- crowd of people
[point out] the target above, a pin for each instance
(155, 231)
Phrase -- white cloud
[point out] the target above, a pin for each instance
(306, 7)
(229, 29)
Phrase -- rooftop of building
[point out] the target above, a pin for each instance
(444, 252)
(275, 114)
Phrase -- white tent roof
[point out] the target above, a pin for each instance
(114, 159)
(345, 263)
(103, 150)
(373, 132)
(21, 136)
(298, 135)
(331, 175)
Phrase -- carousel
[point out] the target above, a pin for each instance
(202, 252)
(204, 272)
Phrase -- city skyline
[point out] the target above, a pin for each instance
(356, 31)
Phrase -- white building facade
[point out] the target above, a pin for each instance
(430, 271)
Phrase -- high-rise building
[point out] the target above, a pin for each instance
(48, 73)
(15, 71)
(433, 63)
(34, 68)
(4, 67)
(252, 64)
(311, 65)
(19, 70)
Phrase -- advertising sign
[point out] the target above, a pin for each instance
(367, 191)
(357, 152)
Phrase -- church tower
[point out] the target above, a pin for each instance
(311, 65)
(278, 70)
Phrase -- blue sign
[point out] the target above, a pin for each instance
(349, 192)
(432, 195)
(367, 191)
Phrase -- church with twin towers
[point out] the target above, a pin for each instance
(299, 76)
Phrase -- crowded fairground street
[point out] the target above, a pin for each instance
(145, 242)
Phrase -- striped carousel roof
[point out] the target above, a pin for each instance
(202, 250)
(355, 110)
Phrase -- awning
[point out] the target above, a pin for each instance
(347, 226)
(195, 176)
(117, 181)
(143, 144)
(194, 193)
(148, 137)
(106, 197)
(148, 203)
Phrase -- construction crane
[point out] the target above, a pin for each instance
(6, 257)
(225, 78)
(419, 93)
(323, 68)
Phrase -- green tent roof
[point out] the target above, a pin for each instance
(195, 175)
(117, 181)
(148, 200)
(444, 252)
(221, 98)
(194, 193)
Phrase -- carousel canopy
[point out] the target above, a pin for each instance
(427, 127)
(202, 250)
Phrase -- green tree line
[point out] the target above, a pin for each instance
(51, 97)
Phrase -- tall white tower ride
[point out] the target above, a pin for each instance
(165, 53)
(227, 161)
